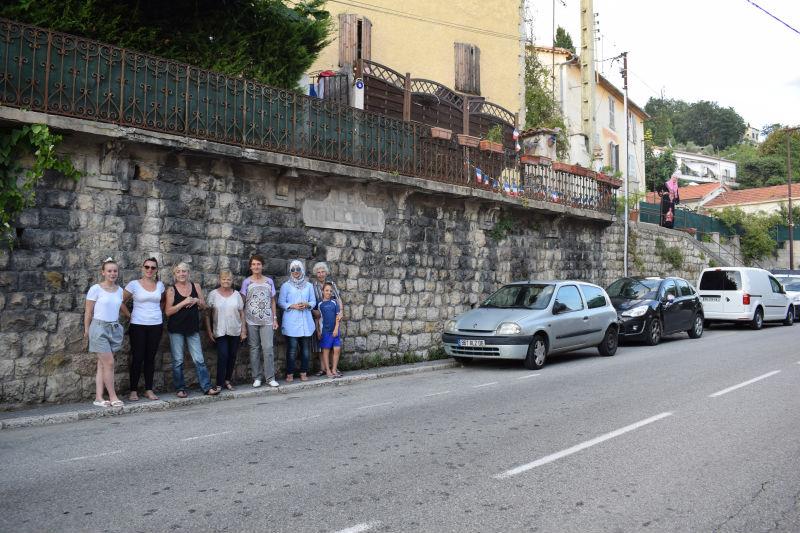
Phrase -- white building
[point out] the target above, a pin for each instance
(751, 135)
(699, 168)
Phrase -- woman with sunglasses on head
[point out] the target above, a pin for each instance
(184, 302)
(102, 330)
(297, 300)
(147, 323)
(261, 320)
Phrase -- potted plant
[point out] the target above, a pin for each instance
(468, 140)
(441, 133)
(494, 140)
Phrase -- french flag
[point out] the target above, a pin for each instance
(506, 188)
(478, 175)
(514, 190)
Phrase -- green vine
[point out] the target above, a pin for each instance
(669, 254)
(633, 251)
(18, 185)
(502, 228)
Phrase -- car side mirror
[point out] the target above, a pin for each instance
(558, 308)
(670, 297)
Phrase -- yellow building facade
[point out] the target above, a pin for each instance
(427, 37)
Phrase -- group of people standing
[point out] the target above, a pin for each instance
(312, 314)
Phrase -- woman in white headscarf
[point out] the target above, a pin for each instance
(297, 300)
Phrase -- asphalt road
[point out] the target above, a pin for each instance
(653, 439)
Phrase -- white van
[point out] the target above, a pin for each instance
(740, 294)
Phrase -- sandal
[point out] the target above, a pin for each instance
(320, 373)
(181, 394)
(211, 392)
(117, 403)
(289, 379)
(150, 395)
(133, 397)
(229, 385)
(101, 403)
(303, 377)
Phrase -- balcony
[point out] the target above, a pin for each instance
(60, 74)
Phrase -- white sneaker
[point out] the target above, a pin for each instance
(273, 383)
(257, 383)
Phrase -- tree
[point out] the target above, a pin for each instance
(657, 168)
(541, 110)
(703, 123)
(263, 40)
(755, 231)
(563, 40)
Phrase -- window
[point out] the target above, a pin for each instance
(355, 39)
(594, 297)
(632, 126)
(570, 297)
(468, 68)
(521, 296)
(776, 285)
(669, 288)
(632, 165)
(611, 109)
(721, 280)
(613, 156)
(684, 288)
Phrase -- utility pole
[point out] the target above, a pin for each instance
(625, 155)
(789, 132)
(588, 80)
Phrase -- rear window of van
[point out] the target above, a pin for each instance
(721, 280)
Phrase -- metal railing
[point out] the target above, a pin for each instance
(61, 74)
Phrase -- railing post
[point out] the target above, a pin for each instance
(186, 103)
(47, 71)
(465, 112)
(407, 98)
(122, 86)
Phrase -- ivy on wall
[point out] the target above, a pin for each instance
(18, 185)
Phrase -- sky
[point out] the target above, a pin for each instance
(725, 51)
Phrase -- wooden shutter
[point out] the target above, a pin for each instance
(348, 38)
(468, 68)
(366, 39)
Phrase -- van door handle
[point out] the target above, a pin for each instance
(585, 318)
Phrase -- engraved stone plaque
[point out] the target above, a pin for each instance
(343, 209)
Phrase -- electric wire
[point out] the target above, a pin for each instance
(773, 16)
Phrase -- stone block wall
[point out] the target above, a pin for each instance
(436, 254)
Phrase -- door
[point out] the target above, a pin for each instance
(688, 304)
(721, 292)
(778, 302)
(670, 306)
(598, 310)
(570, 324)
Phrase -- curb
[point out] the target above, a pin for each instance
(89, 413)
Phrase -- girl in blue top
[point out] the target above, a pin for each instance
(328, 331)
(297, 300)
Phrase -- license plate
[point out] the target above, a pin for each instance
(710, 298)
(471, 342)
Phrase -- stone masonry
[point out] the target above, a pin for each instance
(405, 258)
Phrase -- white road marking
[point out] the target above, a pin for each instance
(528, 376)
(582, 446)
(82, 457)
(374, 405)
(744, 384)
(206, 436)
(484, 385)
(358, 528)
(306, 418)
(437, 393)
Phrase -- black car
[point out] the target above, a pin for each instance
(650, 308)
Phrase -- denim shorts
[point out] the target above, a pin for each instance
(105, 336)
(328, 341)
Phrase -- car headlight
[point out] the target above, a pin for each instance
(509, 328)
(636, 311)
(450, 326)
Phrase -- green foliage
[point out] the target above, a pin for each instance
(754, 231)
(634, 197)
(541, 108)
(502, 228)
(495, 134)
(264, 40)
(563, 40)
(671, 255)
(633, 251)
(657, 168)
(712, 263)
(765, 165)
(18, 185)
(703, 123)
(437, 352)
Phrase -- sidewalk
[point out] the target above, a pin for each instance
(62, 413)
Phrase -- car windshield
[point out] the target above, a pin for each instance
(634, 289)
(795, 287)
(534, 296)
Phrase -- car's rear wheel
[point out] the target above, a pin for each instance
(608, 347)
(696, 330)
(653, 335)
(758, 320)
(537, 353)
(789, 320)
(463, 360)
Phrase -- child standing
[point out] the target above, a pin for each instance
(328, 331)
(102, 330)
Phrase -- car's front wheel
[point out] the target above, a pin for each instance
(696, 330)
(608, 347)
(653, 335)
(537, 353)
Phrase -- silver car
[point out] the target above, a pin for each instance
(530, 320)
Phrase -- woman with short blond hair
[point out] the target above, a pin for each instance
(226, 307)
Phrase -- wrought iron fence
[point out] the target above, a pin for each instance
(62, 74)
